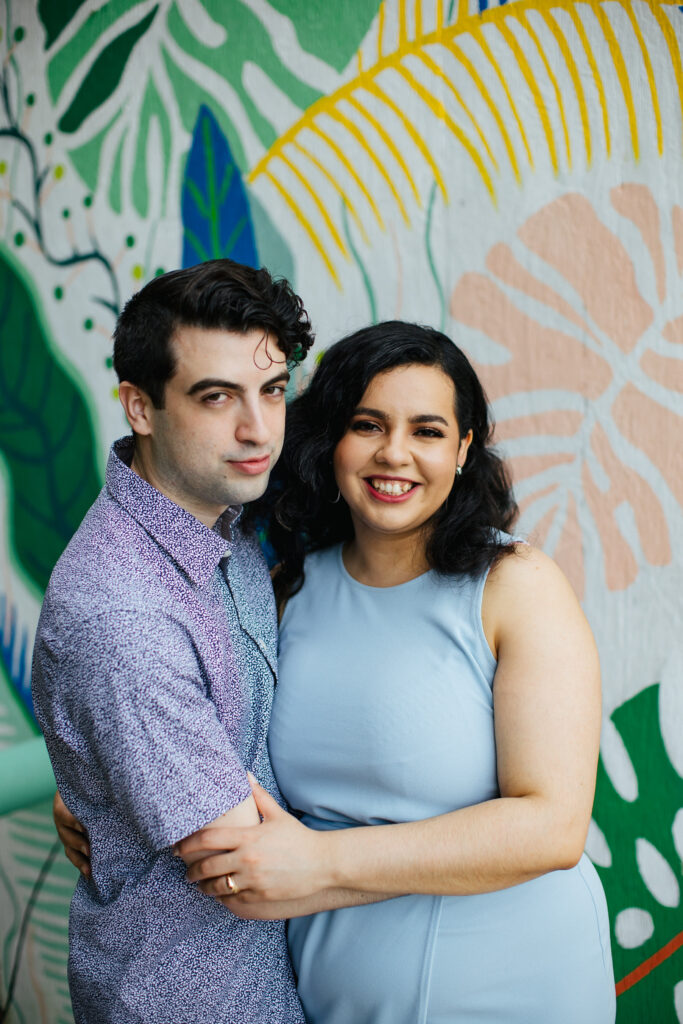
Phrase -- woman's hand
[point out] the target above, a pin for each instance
(73, 836)
(276, 861)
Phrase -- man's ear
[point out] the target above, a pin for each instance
(137, 406)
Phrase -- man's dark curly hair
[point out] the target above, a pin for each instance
(218, 294)
(300, 502)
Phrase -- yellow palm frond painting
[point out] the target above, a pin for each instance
(515, 89)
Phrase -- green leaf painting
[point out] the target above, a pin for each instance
(131, 73)
(46, 434)
(331, 31)
(636, 831)
(55, 16)
(104, 75)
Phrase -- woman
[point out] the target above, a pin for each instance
(436, 723)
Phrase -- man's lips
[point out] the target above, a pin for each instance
(251, 467)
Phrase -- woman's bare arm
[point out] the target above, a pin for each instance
(547, 722)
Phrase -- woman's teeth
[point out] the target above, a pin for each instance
(394, 487)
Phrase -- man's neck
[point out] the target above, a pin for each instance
(144, 469)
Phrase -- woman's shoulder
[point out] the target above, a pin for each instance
(526, 592)
(524, 584)
(525, 565)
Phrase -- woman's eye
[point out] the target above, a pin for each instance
(364, 425)
(428, 432)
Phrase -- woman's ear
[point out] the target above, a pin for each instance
(465, 442)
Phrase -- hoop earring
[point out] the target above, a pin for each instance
(334, 501)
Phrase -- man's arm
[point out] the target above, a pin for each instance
(242, 816)
(129, 723)
(74, 837)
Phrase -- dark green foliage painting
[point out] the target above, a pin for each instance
(645, 975)
(104, 75)
(46, 434)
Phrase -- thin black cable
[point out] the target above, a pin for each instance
(28, 910)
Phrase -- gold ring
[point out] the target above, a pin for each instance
(232, 888)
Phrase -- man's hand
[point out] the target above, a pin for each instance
(73, 836)
(273, 862)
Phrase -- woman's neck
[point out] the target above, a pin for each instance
(381, 560)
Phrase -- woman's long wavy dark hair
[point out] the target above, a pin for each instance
(300, 505)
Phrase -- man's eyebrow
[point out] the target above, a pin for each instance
(427, 417)
(213, 382)
(216, 382)
(279, 378)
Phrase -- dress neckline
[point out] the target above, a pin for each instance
(376, 590)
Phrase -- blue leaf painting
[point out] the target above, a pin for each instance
(215, 209)
(15, 653)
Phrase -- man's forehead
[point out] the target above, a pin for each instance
(254, 349)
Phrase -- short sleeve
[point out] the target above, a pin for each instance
(153, 732)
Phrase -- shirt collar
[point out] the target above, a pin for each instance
(195, 547)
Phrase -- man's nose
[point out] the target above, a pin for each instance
(252, 427)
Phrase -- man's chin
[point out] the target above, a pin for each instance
(248, 489)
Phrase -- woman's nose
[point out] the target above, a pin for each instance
(394, 450)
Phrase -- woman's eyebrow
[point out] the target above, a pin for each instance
(429, 417)
(426, 417)
(363, 410)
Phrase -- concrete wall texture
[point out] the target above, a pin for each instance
(509, 173)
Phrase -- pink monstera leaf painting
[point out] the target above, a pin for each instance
(586, 374)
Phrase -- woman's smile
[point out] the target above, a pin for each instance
(384, 488)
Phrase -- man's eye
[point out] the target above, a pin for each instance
(215, 398)
(275, 390)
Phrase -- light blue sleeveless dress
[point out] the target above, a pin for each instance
(384, 713)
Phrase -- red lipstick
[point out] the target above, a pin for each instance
(390, 498)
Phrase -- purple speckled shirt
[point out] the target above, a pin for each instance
(153, 675)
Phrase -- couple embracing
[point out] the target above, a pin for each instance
(413, 795)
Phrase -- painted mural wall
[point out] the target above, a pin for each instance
(511, 174)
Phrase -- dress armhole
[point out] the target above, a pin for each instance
(477, 623)
(478, 602)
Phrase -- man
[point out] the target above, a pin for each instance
(155, 653)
